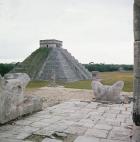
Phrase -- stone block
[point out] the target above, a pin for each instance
(136, 58)
(39, 124)
(108, 115)
(22, 77)
(10, 140)
(97, 133)
(44, 132)
(112, 121)
(86, 123)
(23, 122)
(32, 104)
(119, 133)
(13, 103)
(86, 139)
(51, 140)
(136, 108)
(22, 136)
(103, 127)
(136, 133)
(107, 140)
(106, 93)
(76, 130)
(136, 20)
(104, 130)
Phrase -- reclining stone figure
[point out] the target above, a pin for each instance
(13, 103)
(106, 93)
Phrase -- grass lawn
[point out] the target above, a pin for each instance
(37, 84)
(108, 78)
(112, 77)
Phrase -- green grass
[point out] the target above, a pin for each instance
(83, 84)
(111, 77)
(108, 78)
(37, 84)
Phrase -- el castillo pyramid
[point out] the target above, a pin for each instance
(51, 61)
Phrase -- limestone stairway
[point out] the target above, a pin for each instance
(63, 66)
(56, 65)
(84, 72)
(53, 63)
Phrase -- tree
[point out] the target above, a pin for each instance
(5, 68)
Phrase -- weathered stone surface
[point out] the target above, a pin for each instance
(97, 133)
(86, 123)
(13, 103)
(107, 140)
(92, 126)
(77, 130)
(136, 20)
(119, 133)
(136, 133)
(86, 139)
(108, 93)
(32, 104)
(103, 127)
(57, 66)
(136, 59)
(63, 67)
(11, 140)
(22, 77)
(136, 107)
(95, 75)
(51, 140)
(11, 98)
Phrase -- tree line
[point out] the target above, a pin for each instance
(108, 67)
(5, 68)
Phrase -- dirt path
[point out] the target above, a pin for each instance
(55, 95)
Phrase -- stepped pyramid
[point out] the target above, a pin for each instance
(52, 62)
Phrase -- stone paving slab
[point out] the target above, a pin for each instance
(81, 121)
(98, 133)
(86, 139)
(51, 140)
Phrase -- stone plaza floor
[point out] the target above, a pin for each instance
(73, 121)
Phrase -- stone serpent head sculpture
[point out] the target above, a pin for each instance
(108, 93)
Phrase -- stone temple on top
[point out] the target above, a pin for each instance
(50, 43)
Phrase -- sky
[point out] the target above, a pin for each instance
(99, 31)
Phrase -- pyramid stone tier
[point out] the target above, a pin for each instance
(52, 62)
(62, 66)
(51, 43)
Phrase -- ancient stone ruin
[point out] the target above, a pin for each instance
(106, 93)
(13, 103)
(136, 107)
(51, 61)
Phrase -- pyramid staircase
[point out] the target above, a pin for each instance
(57, 64)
